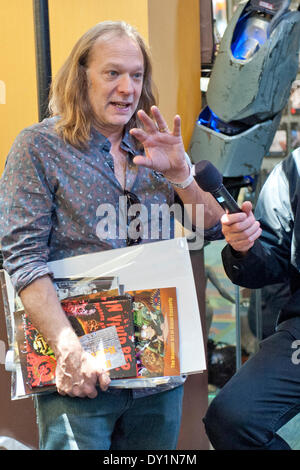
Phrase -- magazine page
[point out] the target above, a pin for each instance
(156, 332)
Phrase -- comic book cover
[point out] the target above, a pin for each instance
(145, 323)
(155, 316)
(105, 329)
(88, 315)
(37, 359)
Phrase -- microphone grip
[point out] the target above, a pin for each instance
(224, 198)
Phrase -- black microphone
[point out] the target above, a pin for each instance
(210, 180)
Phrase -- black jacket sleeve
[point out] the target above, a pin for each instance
(254, 270)
(269, 260)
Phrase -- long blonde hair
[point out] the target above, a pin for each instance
(69, 90)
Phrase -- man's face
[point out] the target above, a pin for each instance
(115, 77)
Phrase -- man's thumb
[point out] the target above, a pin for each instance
(247, 207)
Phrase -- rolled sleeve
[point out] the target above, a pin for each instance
(26, 205)
(22, 278)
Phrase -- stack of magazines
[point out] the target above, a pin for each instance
(135, 309)
(131, 334)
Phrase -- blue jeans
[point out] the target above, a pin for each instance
(254, 408)
(111, 421)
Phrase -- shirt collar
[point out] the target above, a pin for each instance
(100, 140)
(128, 142)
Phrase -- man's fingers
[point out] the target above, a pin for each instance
(80, 391)
(143, 161)
(230, 219)
(250, 234)
(104, 380)
(139, 134)
(149, 124)
(87, 390)
(244, 244)
(177, 126)
(162, 126)
(247, 207)
(241, 227)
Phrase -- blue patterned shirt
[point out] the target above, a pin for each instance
(50, 193)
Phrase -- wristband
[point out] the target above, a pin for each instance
(189, 179)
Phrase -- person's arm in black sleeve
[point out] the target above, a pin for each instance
(248, 270)
(258, 251)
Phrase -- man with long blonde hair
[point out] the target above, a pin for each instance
(105, 141)
(70, 87)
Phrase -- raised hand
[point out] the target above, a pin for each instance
(164, 150)
(241, 229)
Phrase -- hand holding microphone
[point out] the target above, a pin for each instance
(239, 226)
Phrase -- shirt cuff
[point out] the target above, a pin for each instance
(214, 233)
(22, 278)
